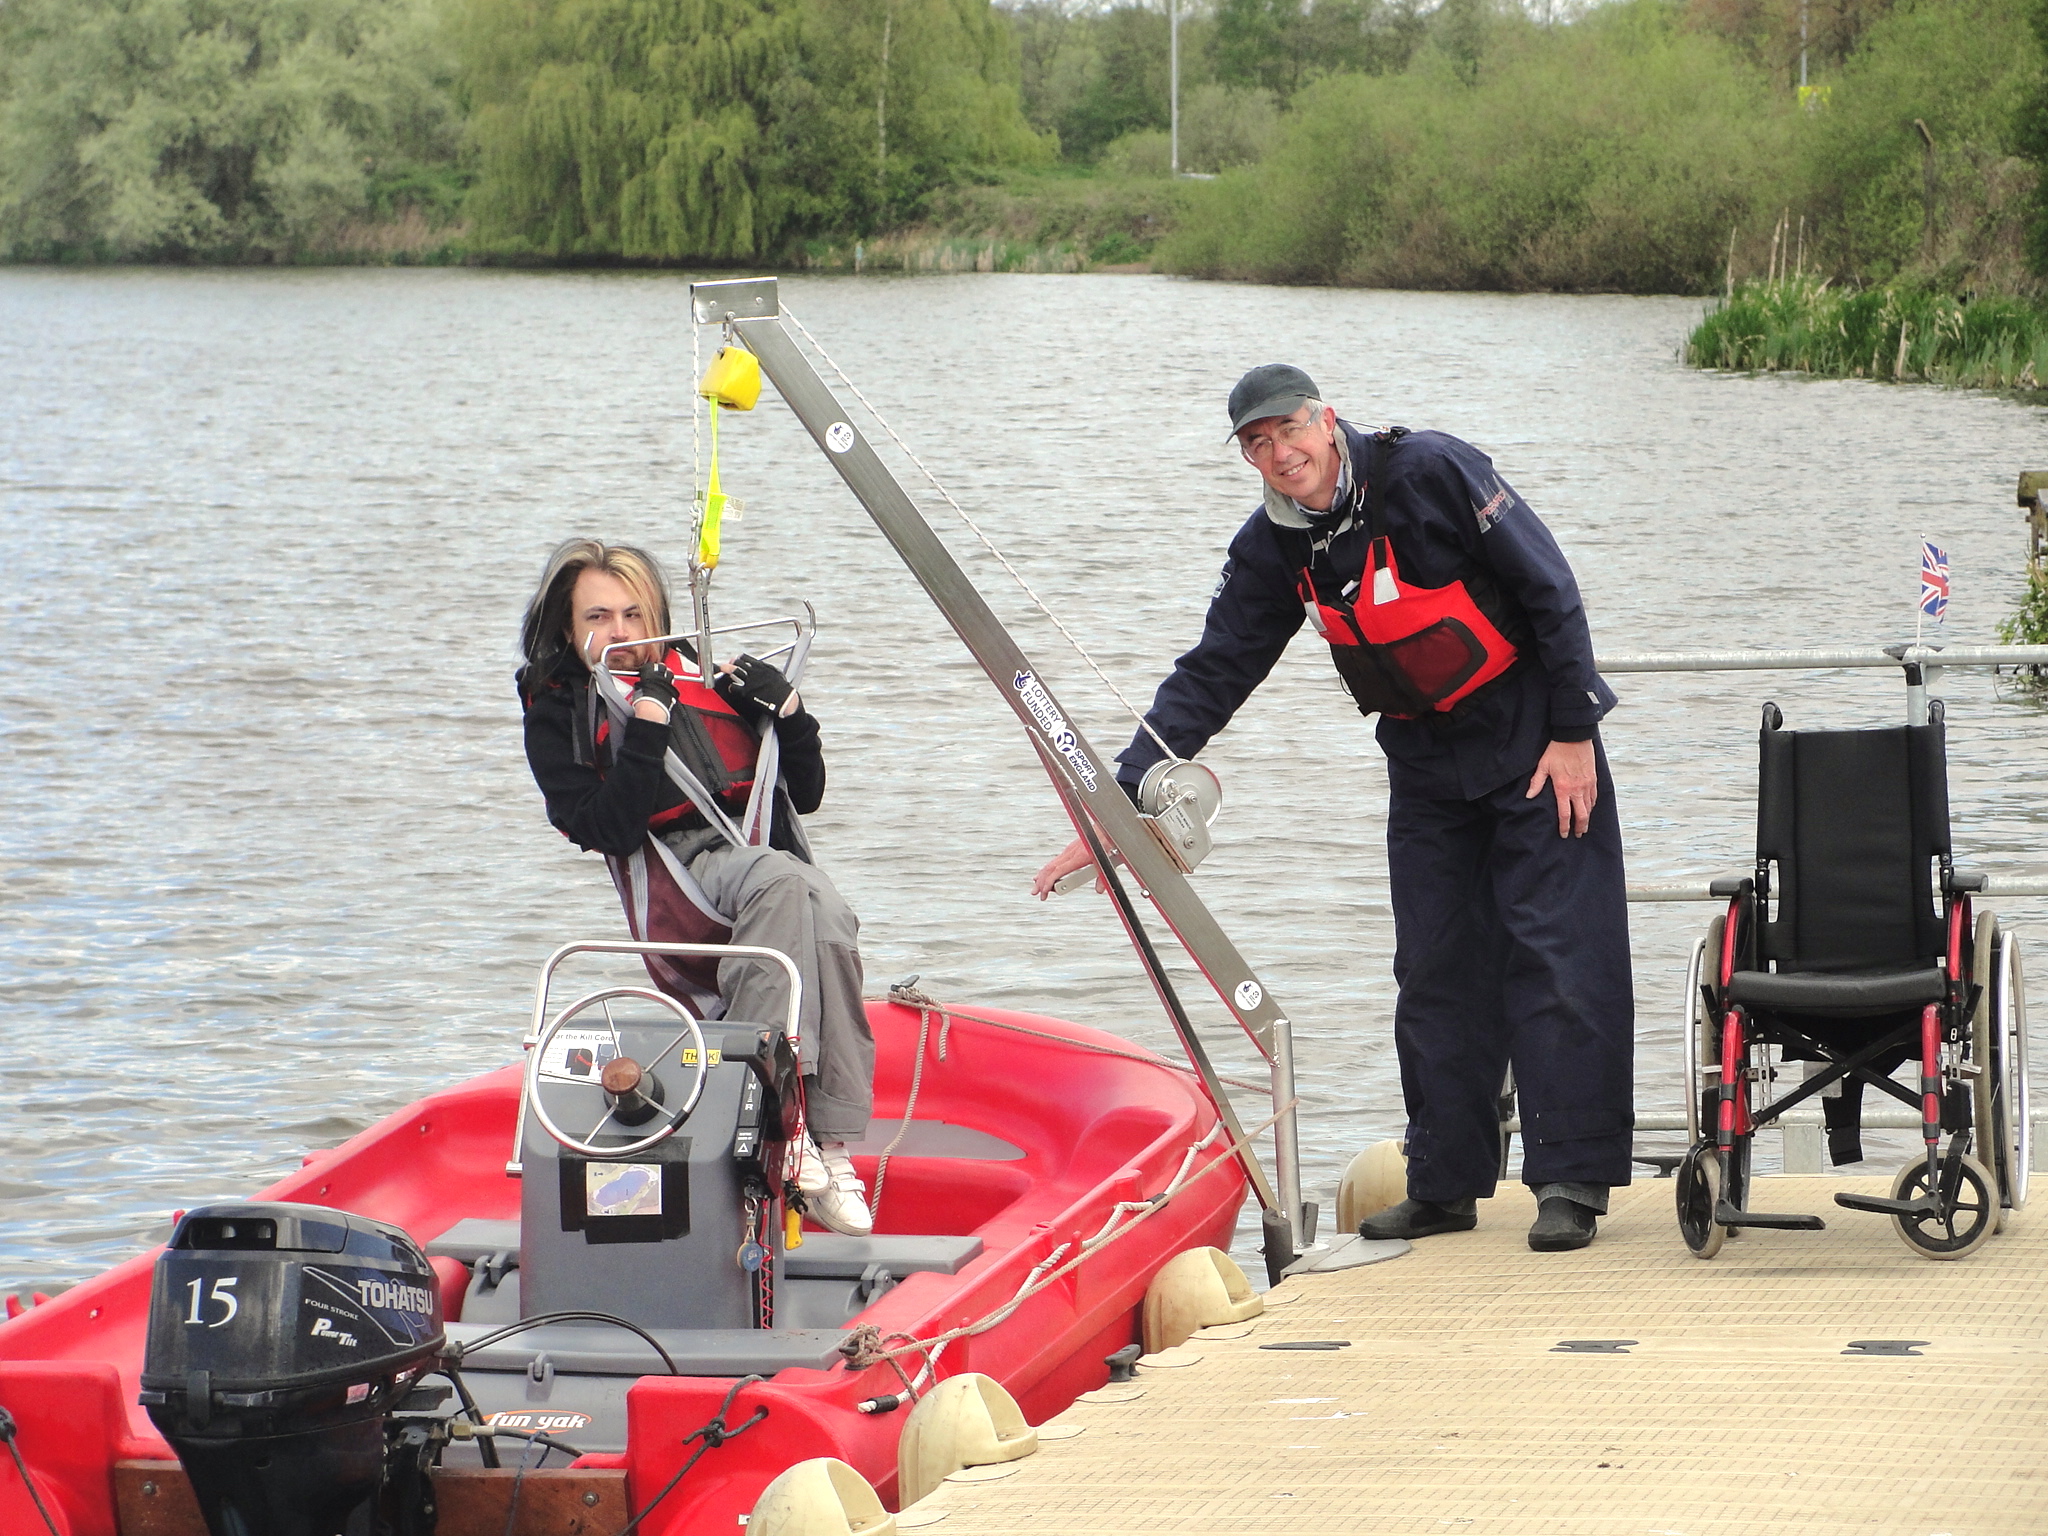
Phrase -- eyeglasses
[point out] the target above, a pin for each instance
(1260, 448)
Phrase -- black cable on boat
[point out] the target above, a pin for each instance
(714, 1434)
(448, 1365)
(7, 1432)
(510, 1330)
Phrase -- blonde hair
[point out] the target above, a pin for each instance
(544, 633)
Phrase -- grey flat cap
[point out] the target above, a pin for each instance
(1271, 389)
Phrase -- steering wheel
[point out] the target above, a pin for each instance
(627, 1082)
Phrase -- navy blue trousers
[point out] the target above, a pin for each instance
(1511, 945)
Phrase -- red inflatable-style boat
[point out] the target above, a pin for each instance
(1028, 1138)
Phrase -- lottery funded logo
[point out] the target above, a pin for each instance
(839, 437)
(1055, 726)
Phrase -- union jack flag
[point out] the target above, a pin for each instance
(1933, 581)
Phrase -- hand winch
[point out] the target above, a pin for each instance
(1178, 801)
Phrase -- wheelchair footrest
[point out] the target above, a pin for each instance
(1926, 1205)
(1726, 1215)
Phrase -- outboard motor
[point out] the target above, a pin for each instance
(281, 1337)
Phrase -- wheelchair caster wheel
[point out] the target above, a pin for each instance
(1699, 1187)
(1968, 1227)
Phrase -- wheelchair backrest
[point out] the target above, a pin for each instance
(1854, 821)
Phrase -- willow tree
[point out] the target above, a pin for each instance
(670, 129)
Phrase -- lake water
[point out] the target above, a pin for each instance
(271, 865)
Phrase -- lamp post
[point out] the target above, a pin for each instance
(1173, 85)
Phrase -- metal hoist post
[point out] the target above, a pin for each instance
(750, 309)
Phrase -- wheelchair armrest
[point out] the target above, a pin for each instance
(1731, 886)
(1970, 880)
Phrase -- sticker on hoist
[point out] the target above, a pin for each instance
(839, 437)
(1054, 724)
(1249, 995)
(622, 1189)
(540, 1421)
(578, 1055)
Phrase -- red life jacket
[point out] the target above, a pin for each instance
(704, 731)
(1403, 650)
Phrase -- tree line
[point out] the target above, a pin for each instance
(1647, 145)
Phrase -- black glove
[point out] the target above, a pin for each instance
(757, 689)
(656, 683)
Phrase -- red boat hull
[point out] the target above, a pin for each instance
(1098, 1122)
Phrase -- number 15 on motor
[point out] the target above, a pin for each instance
(222, 1295)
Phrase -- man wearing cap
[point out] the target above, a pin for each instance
(1452, 614)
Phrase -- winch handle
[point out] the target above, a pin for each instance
(1166, 782)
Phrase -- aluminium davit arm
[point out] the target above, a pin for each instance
(751, 309)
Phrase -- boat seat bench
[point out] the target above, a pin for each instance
(823, 1256)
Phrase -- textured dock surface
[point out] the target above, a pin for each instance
(1734, 1413)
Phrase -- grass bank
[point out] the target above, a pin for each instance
(1897, 332)
(1060, 219)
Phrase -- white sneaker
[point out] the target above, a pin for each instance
(832, 1190)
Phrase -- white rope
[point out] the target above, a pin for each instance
(986, 542)
(1039, 1279)
(924, 1029)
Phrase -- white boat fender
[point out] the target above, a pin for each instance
(1376, 1179)
(1196, 1289)
(965, 1421)
(820, 1497)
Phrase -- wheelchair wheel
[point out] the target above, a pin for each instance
(1969, 1226)
(1699, 1187)
(1702, 1036)
(1991, 1106)
(2011, 981)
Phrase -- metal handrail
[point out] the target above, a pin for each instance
(1994, 885)
(791, 1026)
(1824, 658)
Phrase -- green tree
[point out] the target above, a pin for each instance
(1126, 80)
(1280, 45)
(214, 127)
(1611, 153)
(1963, 68)
(2030, 138)
(671, 129)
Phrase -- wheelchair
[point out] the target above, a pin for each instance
(1850, 952)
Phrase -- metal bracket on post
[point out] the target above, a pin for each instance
(751, 310)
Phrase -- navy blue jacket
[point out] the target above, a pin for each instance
(1451, 518)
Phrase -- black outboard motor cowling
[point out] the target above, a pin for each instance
(280, 1339)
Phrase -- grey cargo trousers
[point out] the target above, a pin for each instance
(777, 901)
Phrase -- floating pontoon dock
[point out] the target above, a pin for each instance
(1800, 1382)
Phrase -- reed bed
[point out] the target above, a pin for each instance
(1804, 324)
(923, 251)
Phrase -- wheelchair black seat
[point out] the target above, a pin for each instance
(1848, 994)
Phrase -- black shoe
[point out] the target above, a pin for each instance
(1419, 1218)
(1562, 1225)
